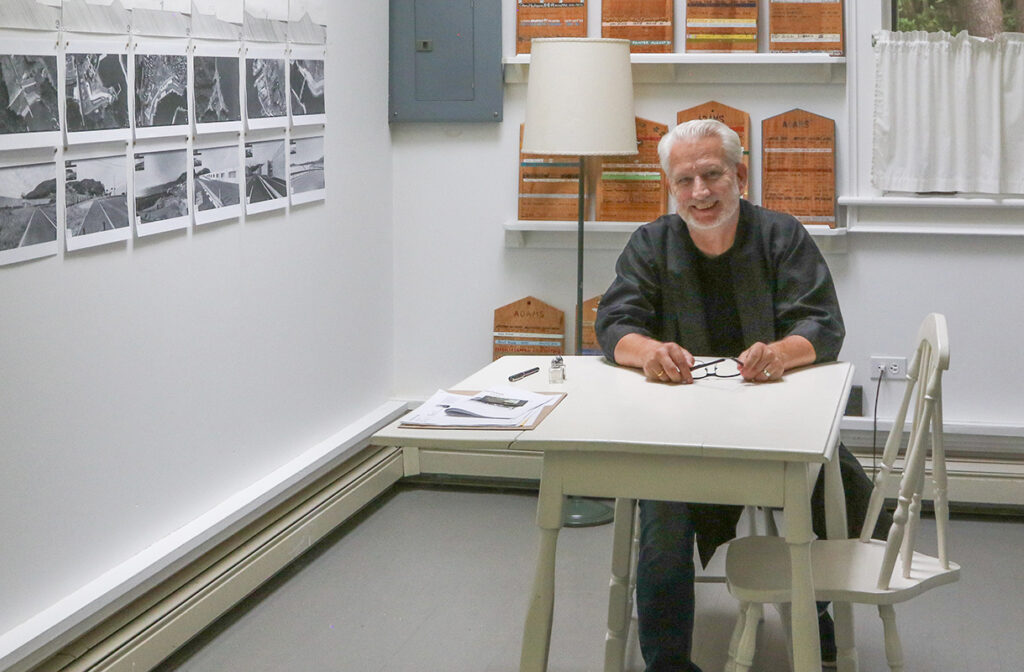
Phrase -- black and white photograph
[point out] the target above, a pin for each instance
(265, 93)
(306, 82)
(161, 191)
(96, 200)
(266, 186)
(161, 90)
(28, 94)
(28, 211)
(306, 169)
(216, 89)
(96, 92)
(218, 184)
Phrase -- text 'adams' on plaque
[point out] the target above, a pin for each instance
(528, 327)
(801, 26)
(798, 166)
(734, 118)
(632, 188)
(549, 186)
(721, 25)
(647, 24)
(590, 344)
(549, 18)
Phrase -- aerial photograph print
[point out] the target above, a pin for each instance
(307, 86)
(28, 205)
(161, 90)
(216, 89)
(28, 94)
(265, 93)
(96, 90)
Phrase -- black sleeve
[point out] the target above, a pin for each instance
(804, 295)
(632, 302)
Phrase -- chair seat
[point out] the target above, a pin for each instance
(844, 570)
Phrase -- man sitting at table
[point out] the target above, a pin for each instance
(720, 277)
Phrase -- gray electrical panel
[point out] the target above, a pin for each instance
(445, 61)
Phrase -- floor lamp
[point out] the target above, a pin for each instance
(579, 102)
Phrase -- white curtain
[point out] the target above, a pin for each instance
(949, 113)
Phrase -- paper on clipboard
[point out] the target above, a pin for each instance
(452, 409)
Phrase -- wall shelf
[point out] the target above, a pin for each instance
(613, 235)
(739, 68)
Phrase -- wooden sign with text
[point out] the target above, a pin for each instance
(631, 188)
(590, 345)
(798, 166)
(721, 25)
(528, 327)
(801, 26)
(647, 24)
(548, 186)
(549, 18)
(736, 119)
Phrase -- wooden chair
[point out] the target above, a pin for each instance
(863, 570)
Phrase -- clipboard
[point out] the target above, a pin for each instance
(469, 393)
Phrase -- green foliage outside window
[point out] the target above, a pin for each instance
(984, 18)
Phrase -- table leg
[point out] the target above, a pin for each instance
(806, 651)
(620, 602)
(537, 633)
(835, 519)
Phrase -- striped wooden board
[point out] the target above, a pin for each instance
(631, 188)
(798, 166)
(528, 327)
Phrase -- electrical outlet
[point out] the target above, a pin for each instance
(894, 367)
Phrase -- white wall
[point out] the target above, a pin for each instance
(455, 186)
(143, 384)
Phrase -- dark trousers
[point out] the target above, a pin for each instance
(665, 571)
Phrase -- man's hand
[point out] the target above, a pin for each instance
(660, 362)
(765, 362)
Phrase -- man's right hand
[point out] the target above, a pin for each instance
(660, 362)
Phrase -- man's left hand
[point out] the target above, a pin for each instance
(761, 363)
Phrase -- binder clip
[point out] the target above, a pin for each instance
(556, 374)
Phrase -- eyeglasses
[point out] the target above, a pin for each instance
(710, 369)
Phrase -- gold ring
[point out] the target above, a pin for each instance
(661, 374)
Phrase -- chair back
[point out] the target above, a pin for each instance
(922, 398)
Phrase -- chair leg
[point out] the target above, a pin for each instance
(744, 638)
(893, 648)
(846, 652)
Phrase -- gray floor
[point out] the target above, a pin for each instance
(435, 579)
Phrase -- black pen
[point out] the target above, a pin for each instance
(523, 374)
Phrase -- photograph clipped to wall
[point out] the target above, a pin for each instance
(215, 88)
(96, 200)
(266, 180)
(161, 191)
(28, 212)
(96, 92)
(29, 109)
(217, 183)
(306, 85)
(306, 169)
(161, 91)
(266, 87)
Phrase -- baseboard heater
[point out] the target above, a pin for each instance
(143, 634)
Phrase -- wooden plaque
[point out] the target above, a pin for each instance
(631, 188)
(647, 24)
(549, 18)
(528, 327)
(721, 25)
(548, 186)
(798, 25)
(590, 345)
(798, 166)
(736, 119)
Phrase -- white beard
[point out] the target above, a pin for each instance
(727, 217)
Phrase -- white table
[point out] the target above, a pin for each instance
(718, 441)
